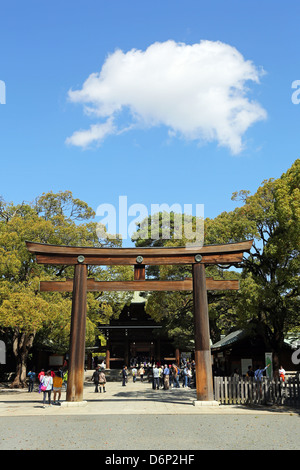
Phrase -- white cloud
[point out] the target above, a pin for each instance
(199, 92)
(96, 133)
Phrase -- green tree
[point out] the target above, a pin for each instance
(174, 310)
(268, 300)
(24, 311)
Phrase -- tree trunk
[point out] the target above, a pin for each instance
(22, 343)
(276, 364)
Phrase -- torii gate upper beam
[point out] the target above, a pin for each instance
(68, 255)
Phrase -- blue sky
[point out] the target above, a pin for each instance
(50, 48)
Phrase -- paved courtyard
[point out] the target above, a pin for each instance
(136, 417)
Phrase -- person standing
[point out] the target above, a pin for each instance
(185, 376)
(142, 373)
(134, 374)
(95, 378)
(282, 373)
(189, 376)
(250, 373)
(102, 380)
(259, 372)
(65, 379)
(124, 376)
(57, 386)
(31, 379)
(176, 376)
(161, 376)
(171, 375)
(40, 376)
(46, 387)
(156, 378)
(166, 377)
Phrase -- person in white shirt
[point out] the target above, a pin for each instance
(282, 373)
(156, 378)
(46, 387)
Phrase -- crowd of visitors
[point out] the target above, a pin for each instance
(166, 376)
(162, 376)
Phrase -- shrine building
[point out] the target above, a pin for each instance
(135, 338)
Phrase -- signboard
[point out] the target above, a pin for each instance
(269, 360)
(2, 353)
(245, 363)
(56, 360)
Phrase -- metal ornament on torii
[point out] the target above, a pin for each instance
(81, 257)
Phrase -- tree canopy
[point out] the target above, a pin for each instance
(26, 313)
(268, 299)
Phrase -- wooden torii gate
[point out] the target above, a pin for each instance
(81, 257)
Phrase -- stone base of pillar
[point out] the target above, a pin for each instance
(66, 404)
(205, 403)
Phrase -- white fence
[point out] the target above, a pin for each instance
(230, 391)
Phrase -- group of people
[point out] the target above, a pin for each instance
(166, 376)
(169, 376)
(99, 379)
(135, 373)
(49, 381)
(163, 376)
(259, 371)
(255, 373)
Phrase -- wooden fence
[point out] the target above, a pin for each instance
(232, 391)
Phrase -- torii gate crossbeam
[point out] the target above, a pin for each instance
(81, 257)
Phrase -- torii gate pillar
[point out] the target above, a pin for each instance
(77, 336)
(203, 370)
